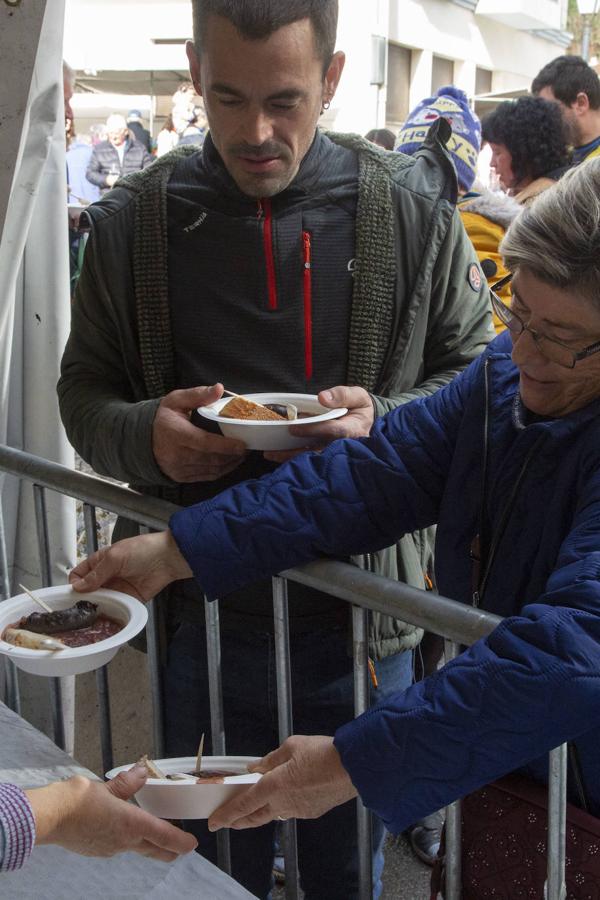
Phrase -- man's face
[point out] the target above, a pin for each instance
(117, 135)
(263, 99)
(569, 114)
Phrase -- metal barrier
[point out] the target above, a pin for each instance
(457, 623)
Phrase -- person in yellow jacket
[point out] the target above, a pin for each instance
(485, 214)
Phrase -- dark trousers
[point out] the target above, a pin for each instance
(322, 693)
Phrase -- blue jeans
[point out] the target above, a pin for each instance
(322, 692)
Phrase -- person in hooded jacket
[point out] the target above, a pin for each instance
(505, 459)
(485, 214)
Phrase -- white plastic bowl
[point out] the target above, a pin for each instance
(270, 435)
(74, 660)
(188, 799)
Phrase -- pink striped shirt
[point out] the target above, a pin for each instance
(17, 828)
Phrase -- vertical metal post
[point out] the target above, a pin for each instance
(11, 683)
(586, 36)
(360, 640)
(41, 521)
(217, 717)
(154, 672)
(556, 888)
(283, 673)
(102, 689)
(453, 822)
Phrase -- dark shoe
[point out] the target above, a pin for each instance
(425, 836)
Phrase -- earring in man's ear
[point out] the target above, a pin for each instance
(326, 105)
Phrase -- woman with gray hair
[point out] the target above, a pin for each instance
(505, 459)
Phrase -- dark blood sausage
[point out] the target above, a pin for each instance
(81, 615)
(281, 410)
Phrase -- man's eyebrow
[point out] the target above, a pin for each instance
(220, 87)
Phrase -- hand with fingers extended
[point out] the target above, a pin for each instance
(302, 779)
(356, 423)
(141, 566)
(184, 452)
(94, 819)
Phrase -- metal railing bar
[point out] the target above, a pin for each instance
(155, 672)
(11, 680)
(56, 697)
(283, 674)
(150, 511)
(217, 715)
(426, 609)
(453, 821)
(557, 823)
(360, 642)
(101, 674)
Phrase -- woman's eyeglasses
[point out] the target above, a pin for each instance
(550, 348)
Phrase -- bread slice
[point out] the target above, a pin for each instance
(241, 408)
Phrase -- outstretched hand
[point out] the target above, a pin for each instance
(141, 566)
(302, 779)
(94, 819)
(357, 422)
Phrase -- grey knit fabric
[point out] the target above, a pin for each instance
(150, 271)
(374, 276)
(371, 323)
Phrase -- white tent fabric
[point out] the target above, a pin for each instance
(34, 291)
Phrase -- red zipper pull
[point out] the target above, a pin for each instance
(307, 291)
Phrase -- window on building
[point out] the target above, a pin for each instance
(398, 83)
(483, 81)
(442, 73)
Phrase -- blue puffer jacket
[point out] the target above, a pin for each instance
(535, 681)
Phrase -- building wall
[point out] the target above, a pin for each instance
(438, 36)
(429, 29)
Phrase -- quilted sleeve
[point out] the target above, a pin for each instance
(356, 496)
(508, 699)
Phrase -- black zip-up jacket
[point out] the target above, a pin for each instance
(105, 161)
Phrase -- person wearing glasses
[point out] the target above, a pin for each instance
(506, 460)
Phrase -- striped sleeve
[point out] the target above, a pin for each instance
(17, 828)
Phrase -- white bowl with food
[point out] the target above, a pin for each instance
(81, 633)
(271, 433)
(188, 796)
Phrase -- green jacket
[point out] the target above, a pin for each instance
(409, 335)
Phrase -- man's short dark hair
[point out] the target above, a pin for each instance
(569, 76)
(258, 19)
(533, 131)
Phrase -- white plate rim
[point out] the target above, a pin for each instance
(133, 627)
(208, 412)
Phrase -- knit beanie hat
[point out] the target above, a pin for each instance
(452, 104)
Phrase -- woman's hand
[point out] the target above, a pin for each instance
(303, 779)
(141, 566)
(94, 819)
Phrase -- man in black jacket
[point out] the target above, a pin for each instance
(119, 155)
